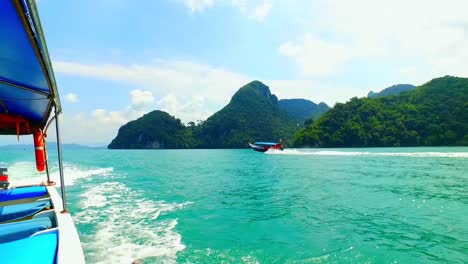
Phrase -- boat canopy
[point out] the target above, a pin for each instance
(266, 143)
(28, 91)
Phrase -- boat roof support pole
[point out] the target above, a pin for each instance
(59, 155)
(47, 165)
(45, 149)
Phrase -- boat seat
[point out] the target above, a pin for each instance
(24, 229)
(22, 193)
(18, 211)
(40, 248)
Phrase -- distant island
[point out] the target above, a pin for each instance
(253, 113)
(302, 109)
(433, 114)
(392, 90)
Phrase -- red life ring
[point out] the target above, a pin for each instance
(40, 150)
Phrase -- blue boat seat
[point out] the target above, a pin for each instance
(41, 248)
(20, 230)
(18, 211)
(22, 193)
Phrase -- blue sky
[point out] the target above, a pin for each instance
(115, 60)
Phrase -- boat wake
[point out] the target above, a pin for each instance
(367, 153)
(116, 224)
(25, 173)
(124, 226)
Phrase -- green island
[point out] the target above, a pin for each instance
(433, 114)
(253, 113)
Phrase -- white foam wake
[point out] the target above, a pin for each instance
(127, 226)
(367, 153)
(21, 173)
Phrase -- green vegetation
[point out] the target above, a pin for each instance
(392, 90)
(154, 130)
(252, 114)
(302, 109)
(433, 114)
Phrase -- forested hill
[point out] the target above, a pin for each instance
(154, 130)
(302, 109)
(392, 90)
(252, 114)
(433, 114)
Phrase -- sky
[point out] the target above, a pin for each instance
(115, 60)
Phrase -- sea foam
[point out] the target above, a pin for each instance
(127, 227)
(367, 153)
(22, 173)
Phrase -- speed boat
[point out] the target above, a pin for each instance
(265, 146)
(35, 224)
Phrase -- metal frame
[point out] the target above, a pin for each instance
(45, 148)
(59, 155)
(9, 83)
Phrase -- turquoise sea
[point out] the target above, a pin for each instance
(380, 205)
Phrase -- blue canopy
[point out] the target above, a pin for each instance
(28, 91)
(266, 143)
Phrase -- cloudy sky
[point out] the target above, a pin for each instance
(117, 59)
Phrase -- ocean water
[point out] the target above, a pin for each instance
(380, 205)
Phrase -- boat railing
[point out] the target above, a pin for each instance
(59, 157)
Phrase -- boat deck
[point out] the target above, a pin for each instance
(28, 224)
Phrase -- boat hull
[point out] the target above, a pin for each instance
(260, 148)
(70, 250)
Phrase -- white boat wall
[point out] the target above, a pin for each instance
(69, 246)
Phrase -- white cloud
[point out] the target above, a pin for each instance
(141, 98)
(97, 127)
(253, 9)
(108, 118)
(241, 4)
(427, 32)
(198, 5)
(193, 109)
(183, 83)
(261, 11)
(169, 103)
(100, 126)
(184, 78)
(71, 97)
(315, 56)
